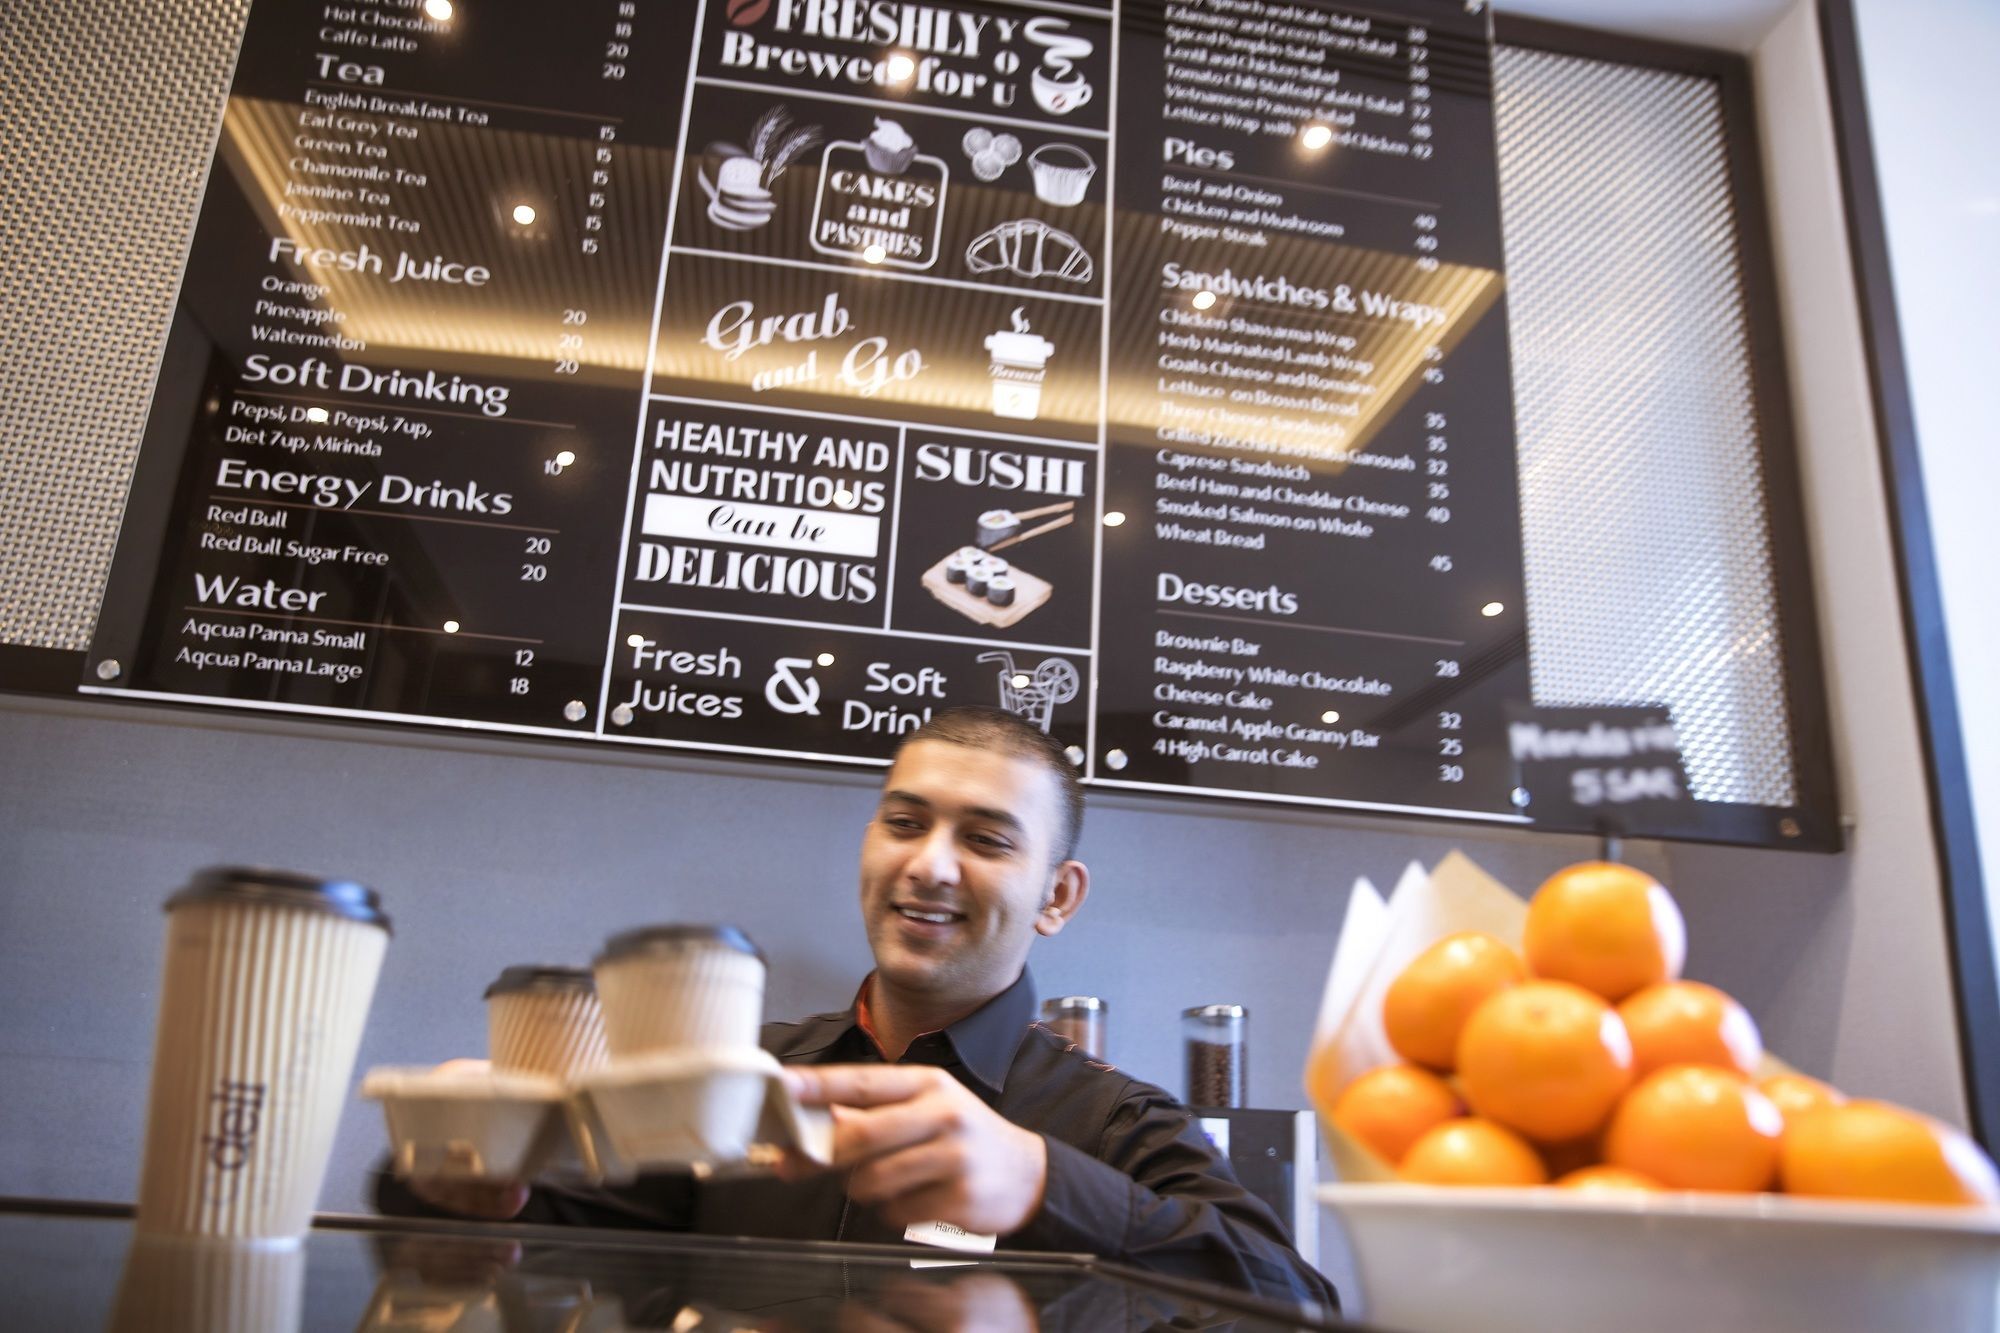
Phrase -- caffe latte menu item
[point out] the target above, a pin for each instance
(762, 376)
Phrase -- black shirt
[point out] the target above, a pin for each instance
(1131, 1177)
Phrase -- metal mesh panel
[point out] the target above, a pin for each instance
(1642, 498)
(107, 118)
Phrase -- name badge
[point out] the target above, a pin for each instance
(946, 1236)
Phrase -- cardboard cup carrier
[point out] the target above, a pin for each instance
(269, 975)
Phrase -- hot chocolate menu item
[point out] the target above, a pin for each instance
(1317, 591)
(765, 375)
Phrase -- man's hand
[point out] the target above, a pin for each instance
(924, 1149)
(470, 1198)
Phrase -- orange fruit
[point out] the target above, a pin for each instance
(1427, 1004)
(1608, 1180)
(1694, 1127)
(1872, 1150)
(1546, 1058)
(1390, 1108)
(1688, 1023)
(1472, 1152)
(1795, 1094)
(1607, 928)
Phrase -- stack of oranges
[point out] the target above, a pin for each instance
(1587, 1060)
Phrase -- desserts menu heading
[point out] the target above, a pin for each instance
(763, 376)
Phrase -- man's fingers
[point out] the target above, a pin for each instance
(493, 1203)
(934, 1203)
(859, 1085)
(897, 1173)
(861, 1133)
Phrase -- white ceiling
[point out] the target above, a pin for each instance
(1733, 24)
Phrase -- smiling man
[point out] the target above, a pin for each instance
(959, 1119)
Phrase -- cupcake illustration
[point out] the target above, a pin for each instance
(889, 149)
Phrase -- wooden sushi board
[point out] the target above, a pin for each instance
(1029, 593)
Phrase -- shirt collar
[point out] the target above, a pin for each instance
(986, 1039)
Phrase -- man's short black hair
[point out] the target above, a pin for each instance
(980, 727)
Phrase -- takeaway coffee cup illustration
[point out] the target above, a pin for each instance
(1020, 363)
(268, 979)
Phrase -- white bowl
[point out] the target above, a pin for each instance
(1432, 1258)
(469, 1123)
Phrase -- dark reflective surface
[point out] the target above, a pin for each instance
(85, 1272)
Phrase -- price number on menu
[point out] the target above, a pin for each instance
(1417, 44)
(618, 48)
(569, 340)
(1425, 242)
(599, 194)
(1437, 481)
(1451, 741)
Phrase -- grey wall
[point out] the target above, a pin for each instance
(492, 853)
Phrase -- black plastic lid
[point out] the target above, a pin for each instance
(283, 888)
(647, 939)
(528, 976)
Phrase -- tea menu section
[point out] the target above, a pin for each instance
(766, 375)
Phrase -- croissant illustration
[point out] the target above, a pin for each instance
(1029, 248)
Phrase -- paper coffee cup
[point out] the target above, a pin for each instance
(1020, 363)
(267, 983)
(545, 1020)
(195, 1284)
(664, 987)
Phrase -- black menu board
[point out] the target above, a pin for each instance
(764, 375)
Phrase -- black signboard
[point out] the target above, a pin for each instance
(1608, 770)
(764, 375)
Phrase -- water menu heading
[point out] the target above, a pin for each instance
(762, 376)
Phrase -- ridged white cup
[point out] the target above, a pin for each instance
(261, 1012)
(544, 1030)
(686, 992)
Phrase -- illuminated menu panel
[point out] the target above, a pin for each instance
(763, 376)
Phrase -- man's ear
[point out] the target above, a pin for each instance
(1069, 885)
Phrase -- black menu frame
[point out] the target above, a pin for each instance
(1813, 822)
